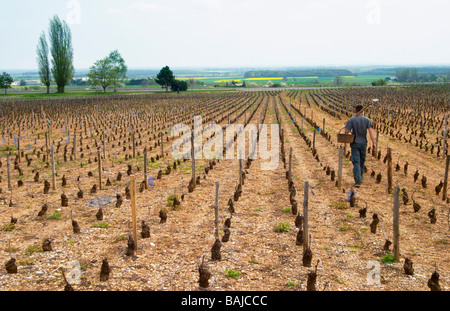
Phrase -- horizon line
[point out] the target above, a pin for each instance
(418, 65)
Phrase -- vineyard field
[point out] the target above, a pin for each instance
(92, 198)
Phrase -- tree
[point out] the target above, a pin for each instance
(62, 53)
(102, 74)
(338, 81)
(5, 81)
(165, 78)
(43, 61)
(380, 82)
(407, 75)
(413, 77)
(108, 71)
(78, 82)
(433, 78)
(179, 86)
(119, 68)
(144, 83)
(23, 82)
(402, 75)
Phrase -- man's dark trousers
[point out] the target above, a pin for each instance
(358, 159)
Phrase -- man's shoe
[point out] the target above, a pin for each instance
(357, 185)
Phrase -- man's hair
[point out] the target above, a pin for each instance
(358, 108)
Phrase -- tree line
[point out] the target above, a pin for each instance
(298, 73)
(413, 75)
(422, 71)
(55, 64)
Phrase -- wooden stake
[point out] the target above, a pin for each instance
(145, 170)
(75, 146)
(49, 131)
(240, 169)
(396, 223)
(305, 218)
(389, 169)
(314, 140)
(104, 147)
(444, 189)
(162, 145)
(444, 140)
(8, 161)
(134, 144)
(46, 144)
(290, 164)
(216, 207)
(133, 211)
(18, 144)
(53, 168)
(376, 144)
(194, 182)
(99, 170)
(341, 157)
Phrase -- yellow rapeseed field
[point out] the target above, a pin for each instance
(262, 79)
(278, 78)
(223, 81)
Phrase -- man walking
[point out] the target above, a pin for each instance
(358, 126)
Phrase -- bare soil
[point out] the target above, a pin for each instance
(347, 254)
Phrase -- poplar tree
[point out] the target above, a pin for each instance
(62, 53)
(43, 61)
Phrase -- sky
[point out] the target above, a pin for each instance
(234, 33)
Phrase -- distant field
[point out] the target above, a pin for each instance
(208, 82)
(291, 81)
